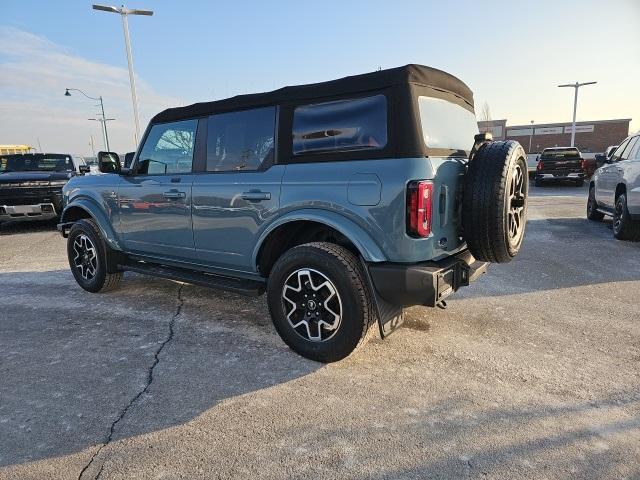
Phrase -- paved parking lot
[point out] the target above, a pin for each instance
(533, 372)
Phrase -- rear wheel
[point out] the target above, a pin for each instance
(624, 228)
(592, 206)
(319, 301)
(87, 256)
(494, 205)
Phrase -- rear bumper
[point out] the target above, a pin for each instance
(560, 176)
(39, 211)
(425, 283)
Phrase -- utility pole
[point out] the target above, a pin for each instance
(124, 13)
(103, 121)
(576, 86)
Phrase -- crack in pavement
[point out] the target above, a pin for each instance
(123, 412)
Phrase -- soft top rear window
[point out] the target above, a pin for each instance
(446, 125)
(550, 154)
(341, 125)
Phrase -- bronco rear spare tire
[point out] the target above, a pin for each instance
(494, 201)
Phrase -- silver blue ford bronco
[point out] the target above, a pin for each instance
(345, 201)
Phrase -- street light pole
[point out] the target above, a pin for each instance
(103, 121)
(530, 137)
(124, 13)
(576, 86)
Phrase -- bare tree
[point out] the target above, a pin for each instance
(485, 113)
(177, 139)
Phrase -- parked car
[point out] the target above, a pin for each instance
(614, 190)
(601, 158)
(345, 201)
(31, 185)
(560, 164)
(532, 164)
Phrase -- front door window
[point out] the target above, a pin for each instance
(168, 149)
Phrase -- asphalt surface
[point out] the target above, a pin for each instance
(532, 372)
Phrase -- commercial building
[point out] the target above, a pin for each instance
(591, 137)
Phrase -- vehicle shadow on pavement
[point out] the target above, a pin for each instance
(79, 370)
(506, 442)
(11, 228)
(561, 253)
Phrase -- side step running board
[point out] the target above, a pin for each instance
(605, 212)
(251, 288)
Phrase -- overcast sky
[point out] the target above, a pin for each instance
(511, 54)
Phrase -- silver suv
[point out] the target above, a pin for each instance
(615, 190)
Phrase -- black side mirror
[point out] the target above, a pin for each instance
(84, 169)
(108, 162)
(128, 159)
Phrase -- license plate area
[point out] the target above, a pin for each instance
(446, 283)
(25, 209)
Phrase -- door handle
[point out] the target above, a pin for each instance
(174, 195)
(256, 196)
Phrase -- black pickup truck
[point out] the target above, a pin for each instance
(31, 185)
(560, 163)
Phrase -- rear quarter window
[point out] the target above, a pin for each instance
(341, 125)
(446, 125)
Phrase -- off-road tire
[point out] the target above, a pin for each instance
(344, 270)
(624, 228)
(487, 201)
(592, 206)
(101, 281)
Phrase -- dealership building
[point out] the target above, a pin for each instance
(591, 137)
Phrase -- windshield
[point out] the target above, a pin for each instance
(36, 162)
(446, 125)
(560, 154)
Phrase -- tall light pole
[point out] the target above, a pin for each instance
(575, 106)
(530, 137)
(124, 13)
(103, 120)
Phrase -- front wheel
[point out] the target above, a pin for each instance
(592, 206)
(319, 301)
(87, 256)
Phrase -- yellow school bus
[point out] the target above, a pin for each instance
(9, 149)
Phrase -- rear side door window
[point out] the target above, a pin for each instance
(634, 154)
(341, 125)
(241, 141)
(168, 148)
